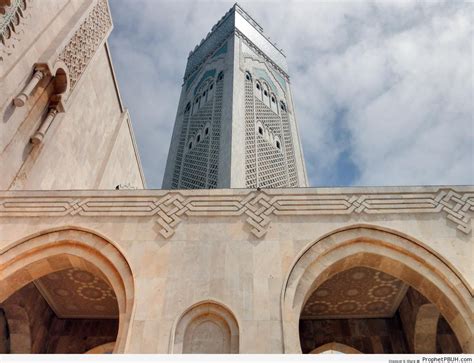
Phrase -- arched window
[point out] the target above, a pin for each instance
(188, 107)
(278, 144)
(282, 106)
(198, 138)
(248, 76)
(273, 99)
(266, 96)
(260, 130)
(258, 90)
(206, 328)
(220, 76)
(190, 146)
(211, 86)
(206, 131)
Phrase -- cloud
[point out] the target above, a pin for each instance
(383, 91)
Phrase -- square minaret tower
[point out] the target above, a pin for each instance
(235, 126)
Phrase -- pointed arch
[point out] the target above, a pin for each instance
(211, 317)
(334, 347)
(385, 250)
(59, 249)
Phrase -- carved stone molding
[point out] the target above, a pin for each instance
(13, 14)
(257, 207)
(258, 51)
(85, 41)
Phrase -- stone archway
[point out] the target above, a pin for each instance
(206, 327)
(334, 348)
(56, 250)
(386, 251)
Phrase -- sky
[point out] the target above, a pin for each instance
(383, 91)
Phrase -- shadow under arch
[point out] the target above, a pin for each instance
(384, 250)
(62, 248)
(202, 308)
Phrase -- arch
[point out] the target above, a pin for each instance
(387, 251)
(106, 348)
(60, 249)
(334, 348)
(211, 317)
(426, 325)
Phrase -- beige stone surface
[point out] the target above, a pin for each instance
(263, 281)
(89, 144)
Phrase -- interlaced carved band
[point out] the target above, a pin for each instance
(258, 207)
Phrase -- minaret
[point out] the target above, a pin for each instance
(235, 125)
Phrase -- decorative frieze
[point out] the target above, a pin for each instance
(13, 14)
(85, 41)
(258, 208)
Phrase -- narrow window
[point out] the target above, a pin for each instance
(204, 94)
(211, 86)
(278, 144)
(198, 138)
(282, 106)
(206, 131)
(220, 76)
(248, 77)
(188, 107)
(260, 130)
(190, 145)
(265, 92)
(273, 99)
(258, 85)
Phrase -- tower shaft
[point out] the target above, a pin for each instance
(235, 125)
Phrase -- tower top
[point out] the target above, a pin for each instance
(237, 20)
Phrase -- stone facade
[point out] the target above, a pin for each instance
(267, 270)
(205, 261)
(63, 123)
(235, 126)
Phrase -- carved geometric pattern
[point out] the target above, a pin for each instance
(266, 166)
(75, 293)
(259, 207)
(357, 293)
(83, 44)
(12, 24)
(197, 168)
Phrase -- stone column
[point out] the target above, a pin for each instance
(21, 99)
(39, 135)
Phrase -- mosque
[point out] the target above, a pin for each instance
(236, 254)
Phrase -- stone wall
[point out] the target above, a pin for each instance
(79, 335)
(89, 144)
(379, 336)
(259, 253)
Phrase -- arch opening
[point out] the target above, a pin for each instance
(66, 291)
(360, 281)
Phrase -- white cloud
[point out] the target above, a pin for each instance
(383, 91)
